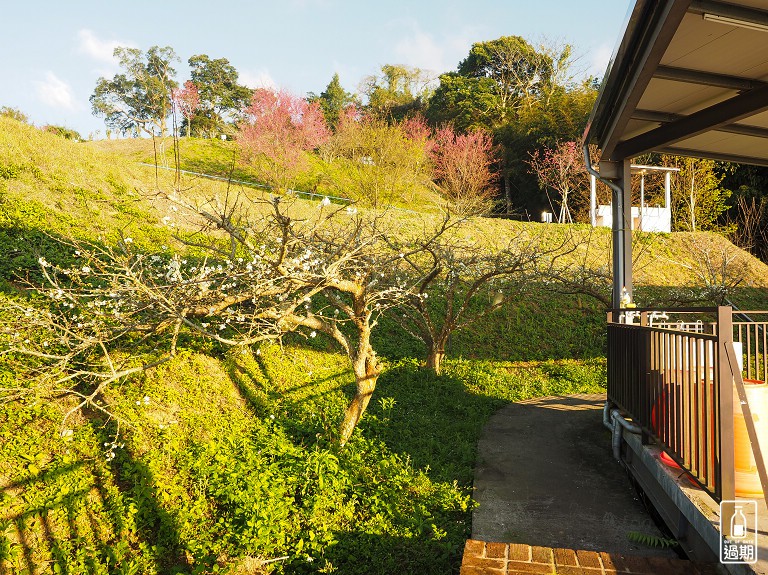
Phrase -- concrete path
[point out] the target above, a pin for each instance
(545, 476)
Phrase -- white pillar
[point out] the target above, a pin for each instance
(642, 201)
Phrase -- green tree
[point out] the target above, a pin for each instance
(222, 98)
(466, 103)
(561, 116)
(14, 113)
(398, 92)
(525, 95)
(333, 100)
(698, 199)
(139, 98)
(375, 162)
(749, 205)
(63, 131)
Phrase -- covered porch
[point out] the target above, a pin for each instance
(690, 78)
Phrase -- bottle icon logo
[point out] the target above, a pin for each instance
(738, 524)
(738, 529)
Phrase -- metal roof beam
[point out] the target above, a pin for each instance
(706, 78)
(667, 117)
(741, 14)
(707, 155)
(650, 30)
(712, 118)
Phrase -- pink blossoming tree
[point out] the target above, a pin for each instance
(279, 128)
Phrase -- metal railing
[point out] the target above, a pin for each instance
(675, 374)
(751, 331)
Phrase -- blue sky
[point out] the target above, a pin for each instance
(53, 52)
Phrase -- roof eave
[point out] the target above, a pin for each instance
(650, 26)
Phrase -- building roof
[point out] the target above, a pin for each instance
(688, 77)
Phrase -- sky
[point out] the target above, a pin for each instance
(53, 52)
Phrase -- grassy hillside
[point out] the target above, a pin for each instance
(225, 463)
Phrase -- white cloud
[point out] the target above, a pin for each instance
(96, 48)
(422, 50)
(55, 92)
(257, 78)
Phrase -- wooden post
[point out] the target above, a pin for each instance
(754, 441)
(727, 463)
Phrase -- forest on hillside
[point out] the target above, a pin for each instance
(517, 107)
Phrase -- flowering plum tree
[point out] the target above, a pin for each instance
(278, 128)
(257, 274)
(462, 280)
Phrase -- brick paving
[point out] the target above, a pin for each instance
(481, 558)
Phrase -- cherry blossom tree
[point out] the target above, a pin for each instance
(561, 169)
(279, 127)
(463, 168)
(186, 101)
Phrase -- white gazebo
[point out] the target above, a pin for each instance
(645, 218)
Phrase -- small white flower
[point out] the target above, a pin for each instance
(351, 210)
(86, 269)
(258, 351)
(146, 400)
(326, 201)
(128, 240)
(313, 334)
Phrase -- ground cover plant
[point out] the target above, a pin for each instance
(225, 459)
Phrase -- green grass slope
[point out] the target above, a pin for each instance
(224, 463)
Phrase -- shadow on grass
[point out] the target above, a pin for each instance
(434, 420)
(75, 528)
(364, 554)
(76, 518)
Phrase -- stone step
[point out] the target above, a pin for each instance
(485, 558)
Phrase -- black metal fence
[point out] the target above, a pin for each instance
(671, 373)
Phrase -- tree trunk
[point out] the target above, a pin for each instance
(366, 384)
(435, 359)
(507, 192)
